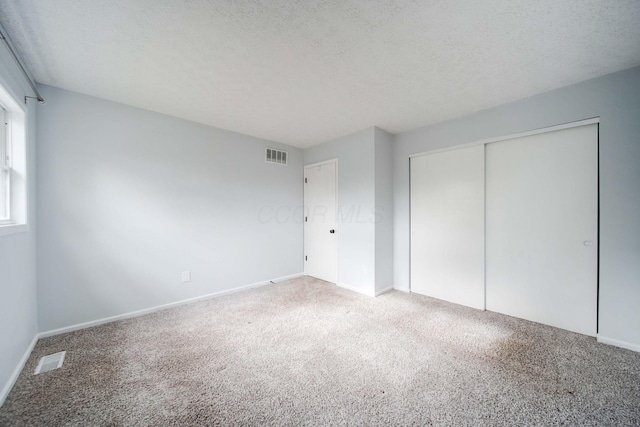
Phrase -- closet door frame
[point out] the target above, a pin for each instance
(569, 125)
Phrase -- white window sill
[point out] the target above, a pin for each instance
(13, 228)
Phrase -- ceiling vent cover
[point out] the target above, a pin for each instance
(276, 156)
(50, 362)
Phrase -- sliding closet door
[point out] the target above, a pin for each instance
(542, 228)
(447, 226)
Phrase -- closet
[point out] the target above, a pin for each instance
(511, 226)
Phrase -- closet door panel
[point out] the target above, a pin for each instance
(447, 225)
(542, 228)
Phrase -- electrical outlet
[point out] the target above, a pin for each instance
(186, 276)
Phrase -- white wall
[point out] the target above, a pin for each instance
(129, 199)
(384, 209)
(616, 100)
(356, 202)
(18, 313)
(365, 207)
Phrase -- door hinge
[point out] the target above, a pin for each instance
(305, 180)
(305, 219)
(305, 257)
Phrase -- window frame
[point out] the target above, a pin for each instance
(5, 168)
(14, 162)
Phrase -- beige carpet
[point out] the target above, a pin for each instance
(304, 352)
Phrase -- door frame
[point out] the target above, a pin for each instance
(568, 125)
(304, 206)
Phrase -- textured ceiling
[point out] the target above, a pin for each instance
(304, 72)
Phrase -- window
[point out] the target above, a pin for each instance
(13, 163)
(5, 170)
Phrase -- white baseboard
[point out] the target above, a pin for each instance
(407, 290)
(384, 291)
(144, 311)
(618, 343)
(16, 372)
(355, 289)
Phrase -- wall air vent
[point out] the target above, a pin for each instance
(276, 156)
(50, 362)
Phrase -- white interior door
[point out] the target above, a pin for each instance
(542, 228)
(320, 233)
(447, 225)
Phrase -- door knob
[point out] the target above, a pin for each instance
(332, 231)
